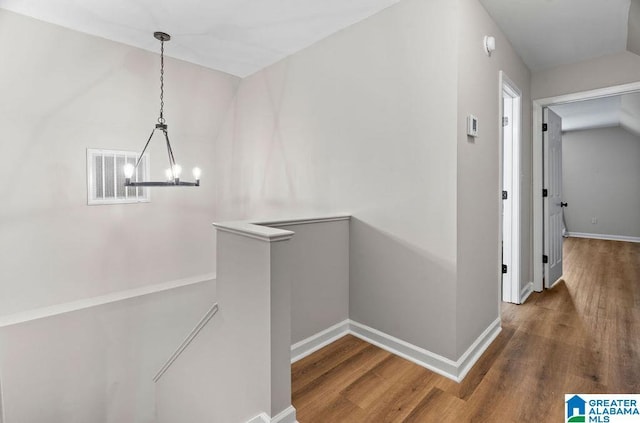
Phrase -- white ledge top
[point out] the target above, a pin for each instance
(304, 221)
(250, 230)
(270, 230)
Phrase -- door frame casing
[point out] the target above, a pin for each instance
(511, 291)
(537, 107)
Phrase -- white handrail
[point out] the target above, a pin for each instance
(192, 335)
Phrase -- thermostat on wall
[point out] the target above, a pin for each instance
(472, 126)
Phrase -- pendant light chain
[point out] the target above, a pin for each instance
(174, 170)
(161, 118)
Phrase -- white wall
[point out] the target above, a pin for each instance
(96, 365)
(479, 179)
(64, 92)
(601, 179)
(602, 72)
(363, 122)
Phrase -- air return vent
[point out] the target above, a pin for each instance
(105, 177)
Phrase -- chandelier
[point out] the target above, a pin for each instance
(173, 172)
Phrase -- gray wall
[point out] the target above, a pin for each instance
(369, 122)
(64, 92)
(478, 201)
(363, 122)
(601, 179)
(317, 260)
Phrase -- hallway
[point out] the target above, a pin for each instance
(582, 336)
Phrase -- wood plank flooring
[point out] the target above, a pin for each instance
(582, 336)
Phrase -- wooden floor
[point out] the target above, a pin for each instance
(582, 336)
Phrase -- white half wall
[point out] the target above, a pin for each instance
(601, 181)
(317, 258)
(239, 364)
(96, 364)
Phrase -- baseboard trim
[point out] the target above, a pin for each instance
(434, 362)
(288, 415)
(475, 351)
(604, 237)
(308, 346)
(525, 292)
(454, 370)
(43, 312)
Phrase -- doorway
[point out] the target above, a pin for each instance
(538, 106)
(511, 105)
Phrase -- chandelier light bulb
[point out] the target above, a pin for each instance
(196, 173)
(168, 174)
(177, 170)
(128, 170)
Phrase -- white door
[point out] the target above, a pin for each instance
(552, 202)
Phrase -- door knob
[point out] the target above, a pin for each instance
(563, 204)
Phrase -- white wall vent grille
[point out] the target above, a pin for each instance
(105, 177)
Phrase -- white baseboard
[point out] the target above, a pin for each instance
(301, 349)
(420, 356)
(288, 415)
(475, 351)
(604, 237)
(525, 292)
(455, 370)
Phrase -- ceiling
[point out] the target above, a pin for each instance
(550, 33)
(239, 37)
(620, 110)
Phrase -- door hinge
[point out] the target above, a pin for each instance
(545, 259)
(504, 268)
(545, 193)
(505, 120)
(505, 195)
(544, 127)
